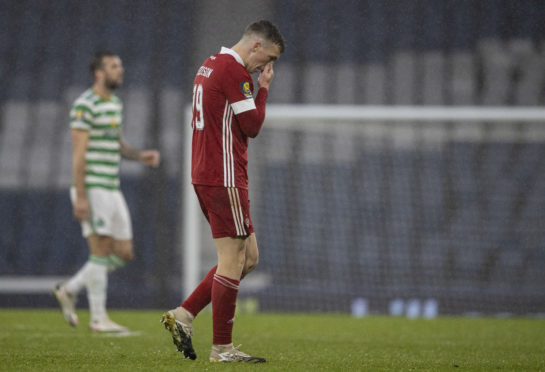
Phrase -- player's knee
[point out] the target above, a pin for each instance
(241, 262)
(251, 263)
(248, 268)
(123, 256)
(126, 256)
(124, 250)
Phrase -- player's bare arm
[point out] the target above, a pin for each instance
(80, 138)
(151, 158)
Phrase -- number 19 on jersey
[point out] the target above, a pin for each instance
(198, 117)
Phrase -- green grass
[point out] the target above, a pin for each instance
(39, 340)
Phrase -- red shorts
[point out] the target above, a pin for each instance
(227, 210)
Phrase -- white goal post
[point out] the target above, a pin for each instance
(323, 118)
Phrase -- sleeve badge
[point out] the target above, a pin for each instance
(245, 87)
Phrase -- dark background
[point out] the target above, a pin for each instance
(422, 52)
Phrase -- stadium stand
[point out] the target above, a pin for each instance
(417, 202)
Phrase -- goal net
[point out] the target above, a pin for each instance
(402, 210)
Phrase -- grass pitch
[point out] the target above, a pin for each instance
(40, 340)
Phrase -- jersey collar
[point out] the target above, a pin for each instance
(235, 55)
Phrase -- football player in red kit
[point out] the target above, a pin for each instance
(225, 116)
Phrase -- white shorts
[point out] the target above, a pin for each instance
(109, 214)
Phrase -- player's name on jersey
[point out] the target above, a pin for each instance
(205, 71)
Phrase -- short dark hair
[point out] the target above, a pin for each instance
(269, 31)
(96, 61)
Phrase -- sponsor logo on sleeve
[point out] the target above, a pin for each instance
(245, 87)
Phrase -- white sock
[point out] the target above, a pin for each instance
(78, 281)
(97, 285)
(115, 263)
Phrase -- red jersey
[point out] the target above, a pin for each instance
(224, 116)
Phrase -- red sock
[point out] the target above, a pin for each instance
(224, 298)
(202, 295)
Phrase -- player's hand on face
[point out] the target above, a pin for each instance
(266, 76)
(150, 157)
(81, 209)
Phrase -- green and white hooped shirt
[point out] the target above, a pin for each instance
(102, 118)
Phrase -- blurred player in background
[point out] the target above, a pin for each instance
(97, 149)
(225, 115)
